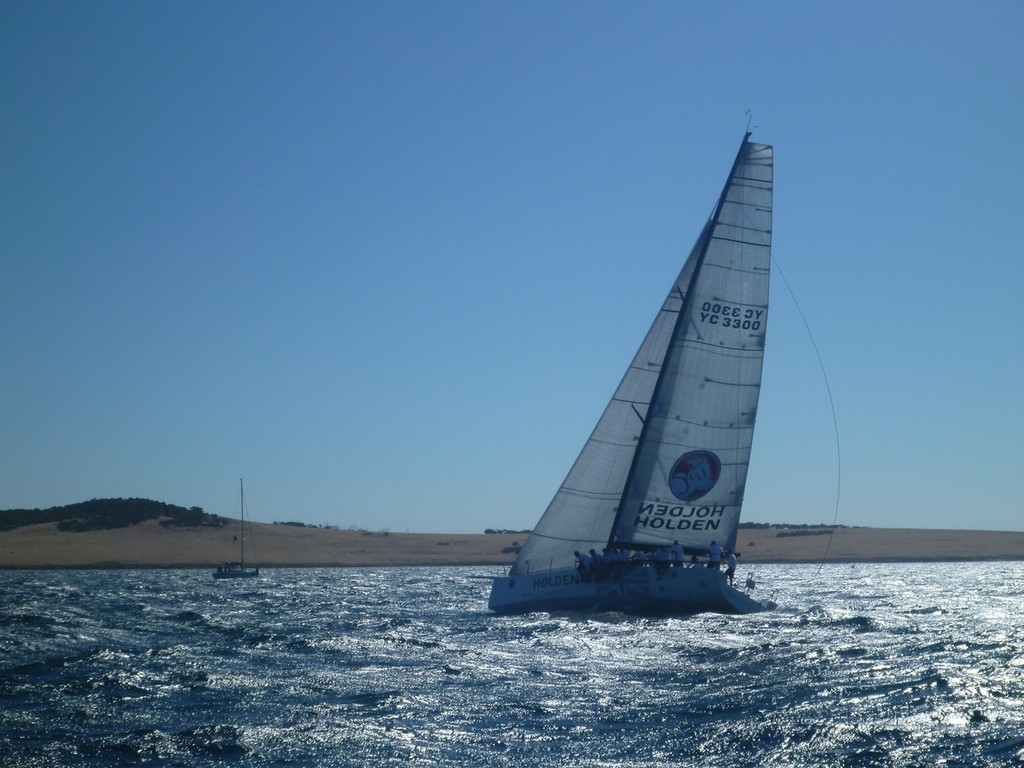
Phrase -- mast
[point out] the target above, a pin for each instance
(681, 318)
(241, 496)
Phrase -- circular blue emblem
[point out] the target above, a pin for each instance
(694, 474)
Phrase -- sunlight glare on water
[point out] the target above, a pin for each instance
(865, 665)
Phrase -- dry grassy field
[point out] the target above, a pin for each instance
(148, 545)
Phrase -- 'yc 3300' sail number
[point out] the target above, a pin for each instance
(731, 316)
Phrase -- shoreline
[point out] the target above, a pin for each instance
(342, 566)
(151, 546)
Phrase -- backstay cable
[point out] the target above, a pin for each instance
(832, 405)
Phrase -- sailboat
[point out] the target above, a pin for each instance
(237, 570)
(650, 509)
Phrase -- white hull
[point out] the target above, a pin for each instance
(634, 589)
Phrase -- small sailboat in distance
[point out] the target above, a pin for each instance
(660, 481)
(237, 570)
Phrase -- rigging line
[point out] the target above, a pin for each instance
(832, 405)
(252, 538)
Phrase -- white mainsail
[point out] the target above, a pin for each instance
(668, 458)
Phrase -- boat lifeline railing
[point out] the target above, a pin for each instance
(749, 586)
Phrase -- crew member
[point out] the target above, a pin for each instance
(714, 556)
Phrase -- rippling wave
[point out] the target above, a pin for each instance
(867, 665)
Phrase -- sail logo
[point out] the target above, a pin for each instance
(694, 474)
(679, 518)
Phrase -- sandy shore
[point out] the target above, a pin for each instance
(149, 545)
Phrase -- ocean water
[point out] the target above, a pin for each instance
(866, 665)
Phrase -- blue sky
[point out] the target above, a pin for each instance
(388, 261)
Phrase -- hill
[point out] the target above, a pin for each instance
(108, 514)
(169, 540)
